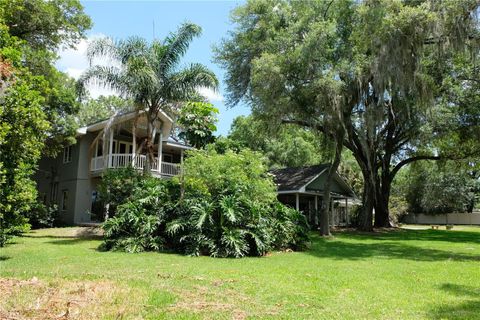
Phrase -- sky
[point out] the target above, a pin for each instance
(122, 19)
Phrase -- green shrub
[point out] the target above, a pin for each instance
(43, 216)
(290, 228)
(117, 186)
(230, 208)
(224, 205)
(137, 223)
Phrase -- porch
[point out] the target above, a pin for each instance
(119, 160)
(310, 204)
(121, 142)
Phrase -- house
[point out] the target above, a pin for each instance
(71, 179)
(302, 188)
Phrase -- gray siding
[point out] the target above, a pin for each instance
(53, 177)
(73, 177)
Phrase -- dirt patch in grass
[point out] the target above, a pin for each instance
(216, 299)
(88, 232)
(36, 299)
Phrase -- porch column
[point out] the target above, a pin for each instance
(346, 212)
(315, 218)
(160, 149)
(297, 201)
(110, 149)
(134, 144)
(332, 213)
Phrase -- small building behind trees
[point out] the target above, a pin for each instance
(302, 188)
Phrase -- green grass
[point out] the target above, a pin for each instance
(402, 274)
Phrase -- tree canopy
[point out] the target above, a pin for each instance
(197, 121)
(37, 102)
(368, 74)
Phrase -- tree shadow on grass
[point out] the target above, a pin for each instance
(468, 309)
(72, 241)
(339, 249)
(418, 235)
(80, 235)
(4, 258)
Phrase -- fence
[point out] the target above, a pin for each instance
(451, 218)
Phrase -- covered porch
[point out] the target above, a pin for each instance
(310, 204)
(122, 142)
(302, 188)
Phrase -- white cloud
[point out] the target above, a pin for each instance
(74, 62)
(210, 94)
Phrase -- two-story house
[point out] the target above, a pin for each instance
(71, 179)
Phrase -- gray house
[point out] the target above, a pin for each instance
(302, 189)
(71, 179)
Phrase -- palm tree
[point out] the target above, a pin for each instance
(149, 74)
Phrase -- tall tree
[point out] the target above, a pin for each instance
(45, 27)
(23, 129)
(148, 73)
(365, 73)
(288, 146)
(37, 102)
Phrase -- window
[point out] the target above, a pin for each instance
(64, 199)
(53, 194)
(99, 148)
(122, 148)
(67, 154)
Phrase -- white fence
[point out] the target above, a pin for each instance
(451, 218)
(125, 160)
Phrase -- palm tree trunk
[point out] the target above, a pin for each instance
(149, 145)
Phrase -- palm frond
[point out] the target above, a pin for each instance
(176, 45)
(196, 75)
(131, 48)
(183, 85)
(105, 76)
(101, 48)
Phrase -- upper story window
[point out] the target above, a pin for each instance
(67, 154)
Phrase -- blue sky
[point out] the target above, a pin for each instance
(121, 19)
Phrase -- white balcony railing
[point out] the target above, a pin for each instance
(125, 160)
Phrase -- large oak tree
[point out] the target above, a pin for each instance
(367, 73)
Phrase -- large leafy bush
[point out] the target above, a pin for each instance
(223, 205)
(118, 186)
(140, 214)
(230, 208)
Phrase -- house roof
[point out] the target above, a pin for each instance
(168, 124)
(309, 179)
(295, 178)
(122, 118)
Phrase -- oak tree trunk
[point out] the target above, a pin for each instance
(382, 213)
(326, 207)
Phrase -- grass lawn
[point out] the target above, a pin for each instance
(402, 274)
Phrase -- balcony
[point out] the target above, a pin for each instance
(126, 160)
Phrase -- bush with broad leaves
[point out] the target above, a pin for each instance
(223, 205)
